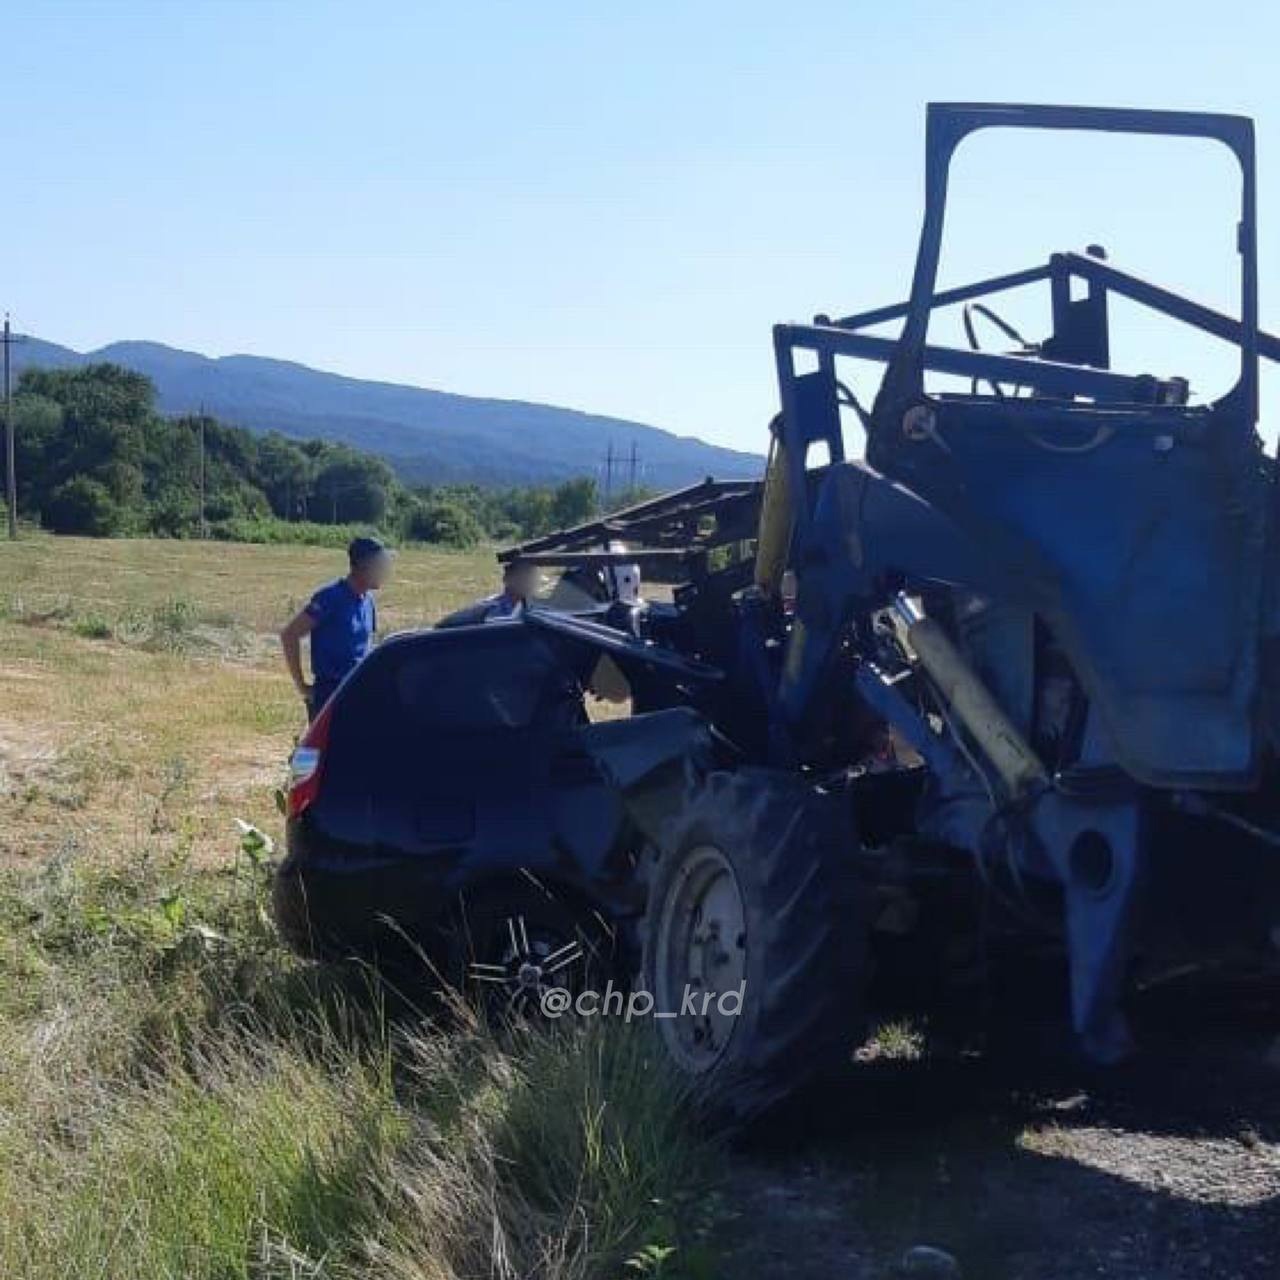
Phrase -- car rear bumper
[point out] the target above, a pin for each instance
(328, 906)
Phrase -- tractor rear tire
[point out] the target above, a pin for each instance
(758, 886)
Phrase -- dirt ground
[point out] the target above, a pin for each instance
(1022, 1169)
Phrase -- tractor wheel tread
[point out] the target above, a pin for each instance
(808, 903)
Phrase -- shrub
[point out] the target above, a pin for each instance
(443, 521)
(85, 506)
(172, 624)
(92, 626)
(285, 533)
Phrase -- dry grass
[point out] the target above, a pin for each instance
(228, 584)
(142, 696)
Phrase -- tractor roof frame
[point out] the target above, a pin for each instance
(948, 124)
(810, 401)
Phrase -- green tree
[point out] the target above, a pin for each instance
(94, 393)
(37, 424)
(84, 506)
(95, 456)
(529, 510)
(574, 502)
(286, 474)
(351, 488)
(631, 498)
(104, 412)
(443, 520)
(171, 477)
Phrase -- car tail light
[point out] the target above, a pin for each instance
(306, 763)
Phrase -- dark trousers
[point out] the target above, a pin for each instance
(321, 692)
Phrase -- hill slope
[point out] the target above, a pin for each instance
(428, 435)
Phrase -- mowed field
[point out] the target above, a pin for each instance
(142, 695)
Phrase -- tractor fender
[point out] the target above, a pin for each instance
(650, 759)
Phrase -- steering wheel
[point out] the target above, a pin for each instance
(1025, 348)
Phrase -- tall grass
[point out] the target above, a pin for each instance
(180, 1100)
(254, 1162)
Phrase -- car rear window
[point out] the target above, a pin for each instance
(467, 679)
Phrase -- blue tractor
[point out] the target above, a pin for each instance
(1006, 686)
(1020, 662)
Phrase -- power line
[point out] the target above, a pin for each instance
(632, 463)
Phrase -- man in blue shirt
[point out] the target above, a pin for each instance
(341, 620)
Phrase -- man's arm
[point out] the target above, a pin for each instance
(468, 616)
(301, 624)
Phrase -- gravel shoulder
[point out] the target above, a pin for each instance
(1026, 1170)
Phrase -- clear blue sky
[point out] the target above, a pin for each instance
(598, 205)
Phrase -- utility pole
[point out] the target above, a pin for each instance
(204, 528)
(608, 473)
(631, 489)
(10, 449)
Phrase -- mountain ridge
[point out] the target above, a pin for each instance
(429, 436)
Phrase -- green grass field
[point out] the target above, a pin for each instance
(179, 1098)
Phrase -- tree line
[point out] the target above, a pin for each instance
(95, 457)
